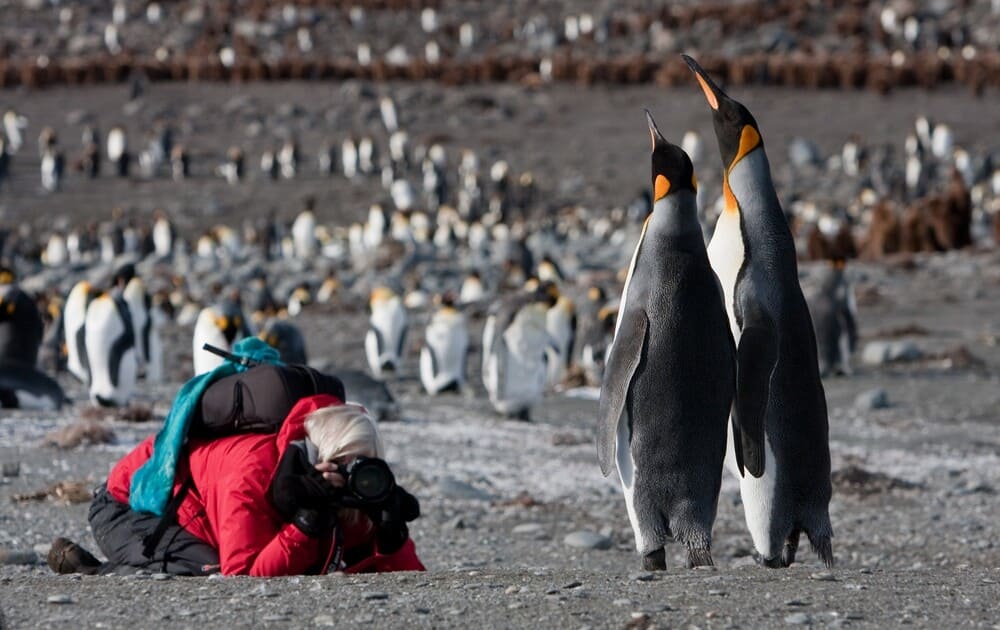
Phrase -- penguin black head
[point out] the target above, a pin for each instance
(672, 168)
(735, 126)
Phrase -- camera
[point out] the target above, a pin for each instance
(369, 482)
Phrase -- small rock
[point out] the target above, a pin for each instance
(420, 610)
(375, 595)
(510, 590)
(15, 556)
(796, 602)
(59, 599)
(573, 584)
(642, 576)
(622, 602)
(324, 621)
(798, 619)
(587, 540)
(451, 488)
(527, 528)
(278, 617)
(161, 576)
(10, 469)
(875, 353)
(904, 351)
(823, 576)
(872, 399)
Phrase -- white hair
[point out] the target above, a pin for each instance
(344, 431)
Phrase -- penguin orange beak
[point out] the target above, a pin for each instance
(708, 86)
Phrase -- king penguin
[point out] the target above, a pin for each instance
(670, 377)
(221, 325)
(780, 402)
(110, 340)
(21, 326)
(286, 338)
(74, 320)
(446, 347)
(515, 351)
(833, 311)
(386, 337)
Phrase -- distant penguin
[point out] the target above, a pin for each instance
(288, 159)
(286, 338)
(180, 163)
(780, 402)
(221, 325)
(111, 350)
(22, 386)
(472, 289)
(561, 323)
(233, 168)
(386, 337)
(515, 342)
(367, 155)
(52, 168)
(595, 341)
(670, 377)
(163, 235)
(74, 325)
(446, 348)
(145, 327)
(21, 325)
(14, 125)
(4, 161)
(387, 108)
(118, 151)
(304, 235)
(349, 158)
(834, 314)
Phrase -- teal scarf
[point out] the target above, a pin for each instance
(153, 483)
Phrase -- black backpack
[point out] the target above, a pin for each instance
(258, 399)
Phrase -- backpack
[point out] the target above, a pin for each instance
(258, 399)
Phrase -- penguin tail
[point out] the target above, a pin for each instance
(823, 546)
(699, 558)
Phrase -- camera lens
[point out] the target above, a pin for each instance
(371, 479)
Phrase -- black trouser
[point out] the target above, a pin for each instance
(120, 532)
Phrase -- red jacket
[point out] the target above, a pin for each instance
(228, 506)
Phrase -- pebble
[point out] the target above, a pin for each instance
(59, 599)
(10, 469)
(882, 352)
(823, 576)
(528, 528)
(161, 576)
(324, 621)
(872, 399)
(796, 602)
(798, 619)
(622, 602)
(451, 488)
(278, 617)
(375, 595)
(642, 576)
(587, 540)
(573, 584)
(15, 556)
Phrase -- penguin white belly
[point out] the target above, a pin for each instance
(626, 474)
(112, 378)
(524, 373)
(757, 494)
(390, 324)
(449, 344)
(558, 324)
(74, 315)
(205, 331)
(725, 255)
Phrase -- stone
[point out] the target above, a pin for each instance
(823, 576)
(798, 619)
(872, 399)
(587, 540)
(18, 556)
(375, 595)
(875, 353)
(904, 351)
(525, 529)
(59, 599)
(324, 621)
(642, 576)
(161, 576)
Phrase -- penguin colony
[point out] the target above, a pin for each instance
(878, 46)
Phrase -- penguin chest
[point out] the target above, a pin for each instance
(726, 255)
(448, 344)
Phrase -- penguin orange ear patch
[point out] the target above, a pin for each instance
(661, 186)
(729, 198)
(749, 140)
(694, 181)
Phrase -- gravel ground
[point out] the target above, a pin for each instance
(505, 503)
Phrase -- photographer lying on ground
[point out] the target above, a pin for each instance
(261, 504)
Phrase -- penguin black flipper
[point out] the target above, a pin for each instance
(434, 361)
(626, 354)
(379, 340)
(755, 360)
(402, 341)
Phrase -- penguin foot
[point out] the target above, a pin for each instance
(699, 558)
(790, 547)
(771, 563)
(656, 560)
(523, 415)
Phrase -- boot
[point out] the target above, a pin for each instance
(66, 557)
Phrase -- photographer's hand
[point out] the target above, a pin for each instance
(332, 474)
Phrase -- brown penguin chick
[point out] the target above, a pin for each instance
(917, 234)
(884, 231)
(953, 223)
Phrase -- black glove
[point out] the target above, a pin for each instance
(298, 485)
(390, 519)
(313, 522)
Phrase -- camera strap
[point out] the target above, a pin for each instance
(336, 553)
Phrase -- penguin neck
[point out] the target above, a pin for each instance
(761, 217)
(675, 218)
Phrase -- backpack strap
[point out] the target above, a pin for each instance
(150, 542)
